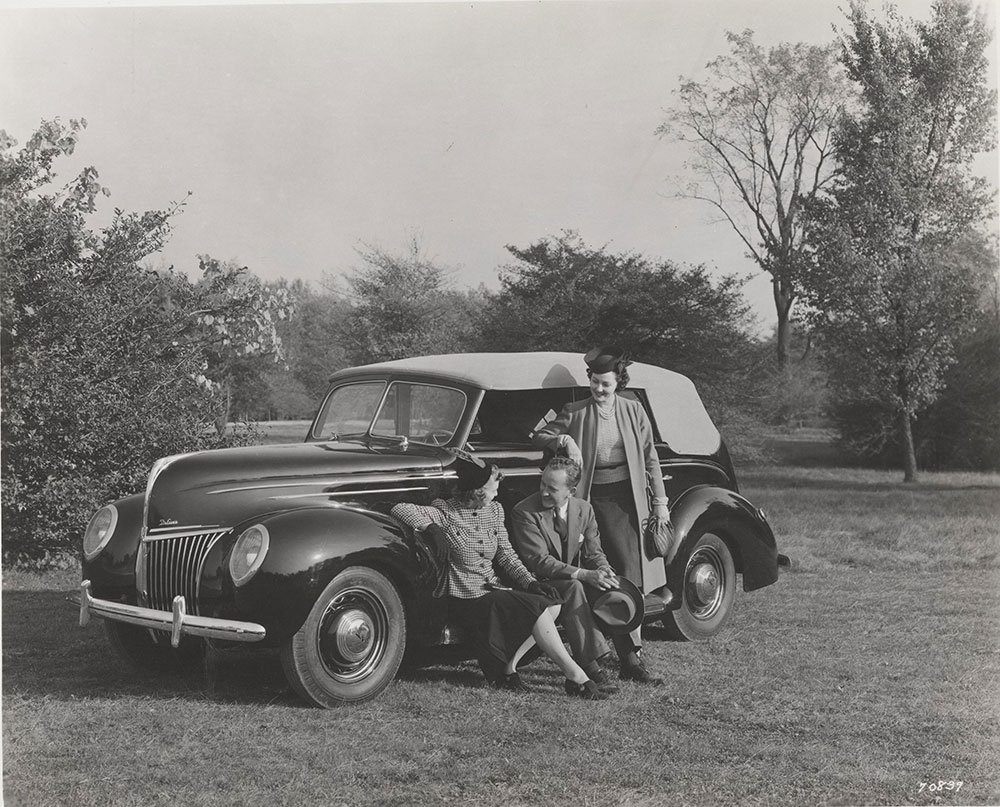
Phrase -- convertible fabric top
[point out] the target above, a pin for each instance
(683, 423)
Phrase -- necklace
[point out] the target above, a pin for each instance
(606, 413)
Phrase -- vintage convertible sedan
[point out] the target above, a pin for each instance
(291, 547)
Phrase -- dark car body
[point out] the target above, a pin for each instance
(292, 546)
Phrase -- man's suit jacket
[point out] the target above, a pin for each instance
(536, 540)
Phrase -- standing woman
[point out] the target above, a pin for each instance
(504, 623)
(612, 439)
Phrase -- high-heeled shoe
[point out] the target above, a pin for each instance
(588, 690)
(512, 683)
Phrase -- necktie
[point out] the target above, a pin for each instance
(560, 524)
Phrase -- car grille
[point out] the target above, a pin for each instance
(173, 566)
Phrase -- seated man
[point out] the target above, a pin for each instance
(556, 536)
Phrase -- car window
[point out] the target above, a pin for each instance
(513, 416)
(421, 412)
(349, 410)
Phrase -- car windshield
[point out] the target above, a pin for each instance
(349, 411)
(420, 412)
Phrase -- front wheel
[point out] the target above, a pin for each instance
(351, 644)
(707, 593)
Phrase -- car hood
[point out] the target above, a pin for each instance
(221, 488)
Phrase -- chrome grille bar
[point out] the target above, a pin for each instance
(173, 566)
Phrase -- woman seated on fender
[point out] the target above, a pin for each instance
(504, 623)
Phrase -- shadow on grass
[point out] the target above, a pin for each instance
(47, 654)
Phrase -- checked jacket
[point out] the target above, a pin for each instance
(478, 545)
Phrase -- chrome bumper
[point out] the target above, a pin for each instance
(176, 622)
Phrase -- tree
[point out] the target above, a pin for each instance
(760, 127)
(560, 294)
(313, 338)
(798, 394)
(403, 305)
(893, 290)
(960, 429)
(237, 316)
(310, 342)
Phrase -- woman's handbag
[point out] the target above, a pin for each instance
(657, 534)
(658, 537)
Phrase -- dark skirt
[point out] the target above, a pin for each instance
(499, 621)
(618, 522)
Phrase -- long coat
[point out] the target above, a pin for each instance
(579, 420)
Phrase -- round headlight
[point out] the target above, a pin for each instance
(248, 553)
(99, 531)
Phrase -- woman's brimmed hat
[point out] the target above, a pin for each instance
(621, 609)
(606, 359)
(472, 472)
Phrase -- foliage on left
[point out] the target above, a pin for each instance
(102, 373)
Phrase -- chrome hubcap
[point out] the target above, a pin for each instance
(705, 580)
(354, 634)
(351, 637)
(704, 583)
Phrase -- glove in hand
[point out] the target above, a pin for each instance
(437, 541)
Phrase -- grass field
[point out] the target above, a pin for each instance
(870, 669)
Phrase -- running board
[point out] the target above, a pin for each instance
(656, 605)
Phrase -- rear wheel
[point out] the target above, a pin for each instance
(707, 593)
(351, 644)
(150, 651)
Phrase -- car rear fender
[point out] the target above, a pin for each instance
(736, 521)
(307, 549)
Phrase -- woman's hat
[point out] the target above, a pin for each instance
(621, 609)
(472, 472)
(606, 359)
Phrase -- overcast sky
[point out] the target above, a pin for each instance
(303, 131)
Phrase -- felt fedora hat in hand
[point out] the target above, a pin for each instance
(621, 609)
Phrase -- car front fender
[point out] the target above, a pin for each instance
(307, 548)
(112, 572)
(744, 528)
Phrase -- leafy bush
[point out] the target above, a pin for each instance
(101, 372)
